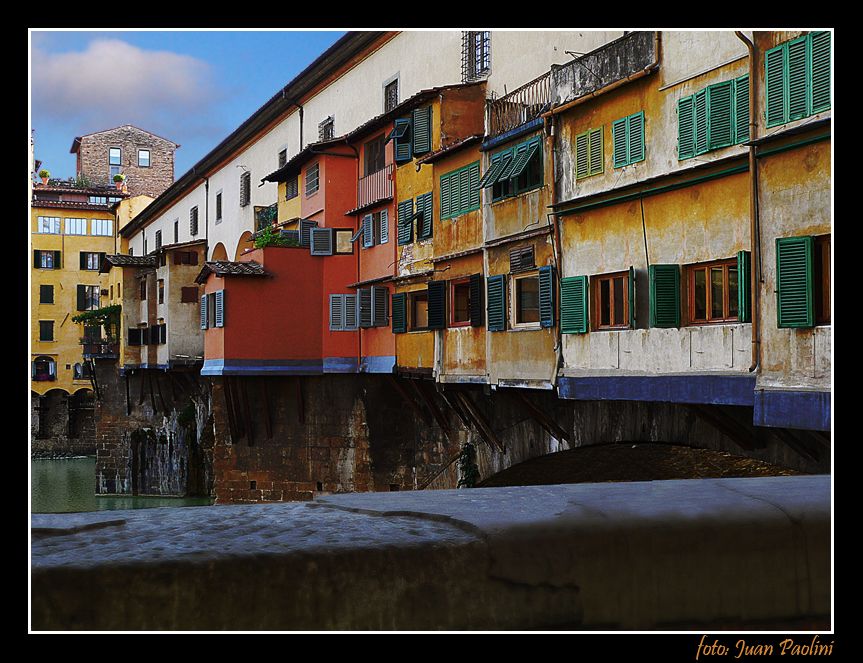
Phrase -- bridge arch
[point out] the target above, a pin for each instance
(246, 242)
(219, 252)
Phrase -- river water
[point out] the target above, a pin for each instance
(68, 484)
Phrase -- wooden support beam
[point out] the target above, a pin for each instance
(301, 411)
(422, 389)
(229, 409)
(128, 402)
(480, 419)
(161, 398)
(150, 384)
(141, 396)
(267, 421)
(549, 424)
(246, 412)
(795, 443)
(737, 433)
(440, 471)
(417, 410)
(172, 383)
(455, 407)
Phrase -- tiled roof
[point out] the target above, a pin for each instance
(230, 268)
(122, 260)
(464, 142)
(69, 204)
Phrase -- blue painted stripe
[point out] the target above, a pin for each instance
(214, 367)
(340, 365)
(525, 128)
(382, 364)
(708, 389)
(809, 410)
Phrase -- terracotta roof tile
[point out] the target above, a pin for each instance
(230, 268)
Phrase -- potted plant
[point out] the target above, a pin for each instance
(119, 178)
(44, 174)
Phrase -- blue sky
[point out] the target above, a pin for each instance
(191, 87)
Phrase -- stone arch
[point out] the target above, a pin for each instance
(219, 252)
(247, 241)
(43, 368)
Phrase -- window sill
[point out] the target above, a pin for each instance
(519, 194)
(524, 328)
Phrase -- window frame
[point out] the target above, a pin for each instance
(79, 223)
(327, 128)
(292, 192)
(350, 233)
(596, 301)
(308, 179)
(382, 152)
(821, 271)
(413, 296)
(689, 272)
(513, 300)
(141, 165)
(453, 284)
(476, 55)
(92, 262)
(49, 326)
(160, 288)
(245, 188)
(46, 288)
(627, 139)
(99, 224)
(451, 213)
(219, 206)
(48, 225)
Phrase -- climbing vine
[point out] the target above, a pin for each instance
(270, 237)
(468, 470)
(107, 316)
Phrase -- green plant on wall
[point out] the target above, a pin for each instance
(270, 237)
(468, 471)
(107, 316)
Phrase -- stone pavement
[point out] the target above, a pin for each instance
(636, 555)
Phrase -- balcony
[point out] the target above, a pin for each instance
(375, 187)
(104, 348)
(519, 106)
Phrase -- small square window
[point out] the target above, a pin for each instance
(46, 330)
(460, 298)
(46, 294)
(391, 95)
(327, 129)
(344, 245)
(713, 292)
(114, 155)
(374, 155)
(610, 300)
(144, 158)
(283, 157)
(525, 305)
(419, 310)
(292, 189)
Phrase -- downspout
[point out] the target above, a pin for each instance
(753, 208)
(558, 258)
(294, 103)
(206, 216)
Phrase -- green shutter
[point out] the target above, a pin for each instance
(774, 66)
(582, 155)
(424, 204)
(618, 137)
(744, 285)
(508, 158)
(597, 162)
(464, 190)
(632, 297)
(798, 78)
(664, 295)
(473, 202)
(720, 127)
(82, 298)
(400, 319)
(531, 148)
(546, 296)
(794, 282)
(686, 128)
(422, 128)
(573, 305)
(496, 303)
(819, 53)
(702, 121)
(437, 304)
(403, 144)
(445, 197)
(741, 109)
(476, 297)
(491, 175)
(405, 223)
(635, 137)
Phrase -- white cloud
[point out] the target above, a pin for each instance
(113, 83)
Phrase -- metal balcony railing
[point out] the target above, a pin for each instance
(100, 348)
(522, 105)
(375, 186)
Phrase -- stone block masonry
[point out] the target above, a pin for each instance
(62, 425)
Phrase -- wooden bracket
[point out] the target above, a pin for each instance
(549, 424)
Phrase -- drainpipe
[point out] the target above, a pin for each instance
(294, 103)
(206, 216)
(753, 208)
(558, 258)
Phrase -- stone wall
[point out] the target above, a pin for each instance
(62, 425)
(160, 445)
(152, 180)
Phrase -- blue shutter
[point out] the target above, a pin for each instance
(385, 227)
(350, 312)
(400, 324)
(546, 296)
(337, 306)
(321, 241)
(437, 304)
(306, 226)
(664, 295)
(686, 128)
(368, 231)
(365, 297)
(496, 303)
(204, 312)
(220, 308)
(403, 144)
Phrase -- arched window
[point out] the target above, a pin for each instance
(43, 368)
(82, 371)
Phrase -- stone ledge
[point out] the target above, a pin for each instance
(623, 555)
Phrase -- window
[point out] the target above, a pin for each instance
(459, 191)
(712, 291)
(522, 259)
(90, 261)
(102, 227)
(525, 304)
(144, 240)
(372, 305)
(514, 170)
(111, 291)
(374, 155)
(292, 187)
(159, 240)
(189, 295)
(219, 206)
(803, 281)
(143, 286)
(343, 312)
(114, 161)
(460, 298)
(88, 297)
(144, 158)
(312, 173)
(421, 121)
(611, 304)
(193, 221)
(627, 135)
(213, 310)
(46, 294)
(589, 154)
(46, 330)
(797, 78)
(176, 230)
(327, 128)
(418, 304)
(476, 55)
(161, 284)
(401, 137)
(46, 259)
(97, 200)
(343, 242)
(185, 258)
(821, 277)
(717, 116)
(76, 226)
(82, 371)
(49, 225)
(391, 95)
(283, 157)
(245, 188)
(44, 368)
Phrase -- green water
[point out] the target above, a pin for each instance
(66, 485)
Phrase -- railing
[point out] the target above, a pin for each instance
(266, 216)
(100, 348)
(519, 106)
(376, 186)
